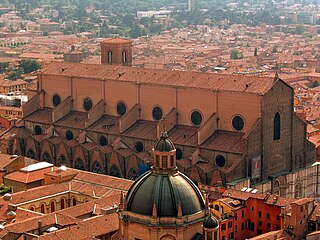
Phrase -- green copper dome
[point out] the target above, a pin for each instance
(166, 192)
(210, 222)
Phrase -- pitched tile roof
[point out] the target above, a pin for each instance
(206, 81)
(27, 177)
(226, 142)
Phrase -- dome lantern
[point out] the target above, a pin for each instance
(164, 153)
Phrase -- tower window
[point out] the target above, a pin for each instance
(157, 113)
(196, 118)
(124, 56)
(56, 100)
(139, 146)
(110, 56)
(220, 161)
(237, 123)
(121, 108)
(276, 127)
(87, 104)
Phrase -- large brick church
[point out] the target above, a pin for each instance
(106, 118)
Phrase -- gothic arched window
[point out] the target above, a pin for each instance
(133, 174)
(78, 164)
(96, 167)
(276, 127)
(30, 154)
(46, 157)
(62, 161)
(114, 171)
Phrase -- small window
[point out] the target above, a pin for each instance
(237, 123)
(157, 160)
(38, 130)
(53, 206)
(157, 113)
(139, 146)
(124, 56)
(220, 161)
(276, 127)
(42, 208)
(103, 141)
(109, 56)
(74, 201)
(179, 154)
(121, 108)
(87, 104)
(69, 135)
(56, 100)
(196, 118)
(62, 203)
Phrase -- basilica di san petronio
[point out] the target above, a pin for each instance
(115, 152)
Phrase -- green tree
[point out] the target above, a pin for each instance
(3, 67)
(275, 49)
(235, 54)
(29, 66)
(14, 75)
(315, 84)
(300, 29)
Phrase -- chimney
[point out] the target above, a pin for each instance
(40, 227)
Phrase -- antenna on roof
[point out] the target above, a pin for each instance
(276, 76)
(164, 124)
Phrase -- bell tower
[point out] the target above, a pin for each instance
(116, 51)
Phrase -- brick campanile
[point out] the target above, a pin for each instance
(116, 51)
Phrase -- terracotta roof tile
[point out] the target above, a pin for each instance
(226, 142)
(208, 81)
(27, 177)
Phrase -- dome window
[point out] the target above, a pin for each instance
(220, 161)
(121, 108)
(38, 130)
(56, 100)
(139, 146)
(238, 123)
(196, 118)
(157, 113)
(103, 141)
(69, 135)
(87, 104)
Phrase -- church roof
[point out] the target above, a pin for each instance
(183, 79)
